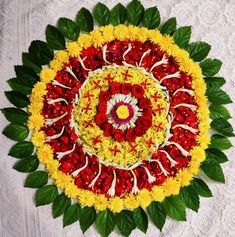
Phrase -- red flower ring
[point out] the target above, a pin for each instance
(123, 112)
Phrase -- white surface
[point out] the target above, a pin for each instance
(22, 21)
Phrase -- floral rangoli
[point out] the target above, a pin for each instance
(119, 119)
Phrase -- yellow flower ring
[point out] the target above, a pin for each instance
(119, 119)
(85, 110)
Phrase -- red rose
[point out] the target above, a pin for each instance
(126, 88)
(115, 87)
(107, 129)
(137, 91)
(104, 96)
(102, 107)
(147, 112)
(145, 122)
(144, 103)
(140, 130)
(118, 135)
(130, 135)
(66, 167)
(101, 118)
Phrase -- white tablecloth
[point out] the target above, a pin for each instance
(22, 21)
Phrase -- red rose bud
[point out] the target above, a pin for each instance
(102, 107)
(137, 91)
(65, 167)
(126, 88)
(101, 118)
(130, 135)
(107, 129)
(115, 87)
(104, 96)
(118, 135)
(140, 130)
(145, 122)
(144, 103)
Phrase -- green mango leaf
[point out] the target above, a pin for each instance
(151, 19)
(88, 216)
(217, 155)
(41, 52)
(27, 165)
(182, 36)
(17, 85)
(105, 222)
(102, 14)
(84, 20)
(15, 115)
(213, 170)
(16, 132)
(219, 111)
(210, 66)
(201, 187)
(46, 195)
(141, 219)
(72, 214)
(18, 99)
(157, 214)
(214, 81)
(217, 96)
(26, 75)
(118, 15)
(223, 127)
(175, 208)
(198, 50)
(135, 12)
(68, 28)
(31, 62)
(125, 222)
(55, 38)
(190, 198)
(169, 27)
(36, 179)
(60, 204)
(220, 142)
(21, 149)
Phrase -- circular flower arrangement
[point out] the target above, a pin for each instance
(119, 119)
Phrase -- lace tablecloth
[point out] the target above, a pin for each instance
(21, 21)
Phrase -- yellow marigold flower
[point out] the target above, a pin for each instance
(101, 202)
(56, 65)
(62, 56)
(87, 198)
(194, 167)
(40, 88)
(73, 49)
(116, 204)
(185, 176)
(144, 198)
(72, 191)
(52, 167)
(35, 121)
(158, 193)
(47, 75)
(107, 32)
(45, 153)
(172, 186)
(198, 154)
(63, 180)
(131, 202)
(97, 38)
(84, 41)
(38, 138)
(203, 140)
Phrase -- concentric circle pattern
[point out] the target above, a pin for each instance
(121, 118)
